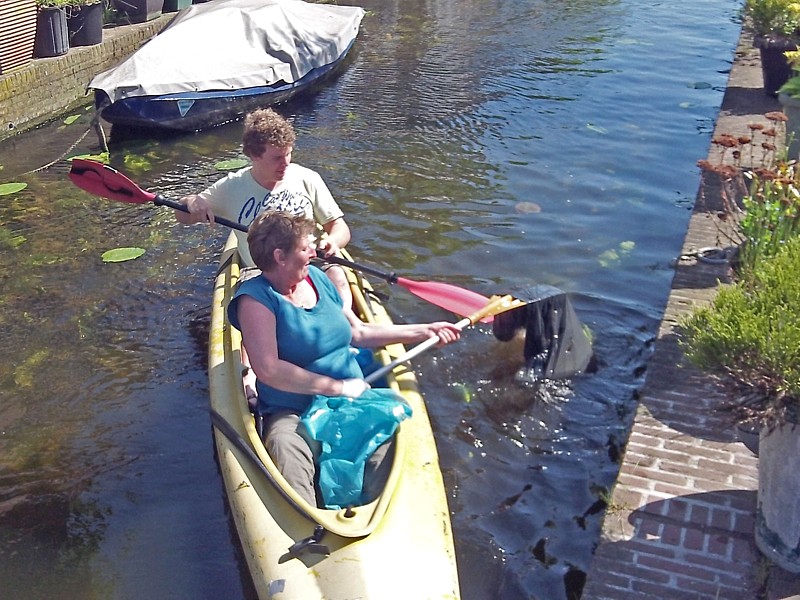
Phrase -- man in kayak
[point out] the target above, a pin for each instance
(271, 182)
(299, 335)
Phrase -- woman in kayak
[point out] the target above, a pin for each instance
(299, 337)
(271, 182)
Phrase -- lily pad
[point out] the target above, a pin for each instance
(122, 254)
(11, 188)
(231, 164)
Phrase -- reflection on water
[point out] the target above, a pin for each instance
(493, 147)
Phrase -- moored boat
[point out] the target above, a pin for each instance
(399, 546)
(218, 60)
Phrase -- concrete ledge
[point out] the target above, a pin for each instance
(46, 87)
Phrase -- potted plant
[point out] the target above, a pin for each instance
(52, 37)
(175, 5)
(138, 11)
(749, 336)
(775, 25)
(85, 22)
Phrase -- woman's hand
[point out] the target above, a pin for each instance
(446, 332)
(353, 388)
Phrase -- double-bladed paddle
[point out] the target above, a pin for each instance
(101, 180)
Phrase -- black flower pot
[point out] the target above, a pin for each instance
(176, 5)
(85, 25)
(52, 38)
(138, 11)
(774, 65)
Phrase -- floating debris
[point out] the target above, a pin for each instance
(528, 208)
(596, 128)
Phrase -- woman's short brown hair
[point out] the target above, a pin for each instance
(276, 230)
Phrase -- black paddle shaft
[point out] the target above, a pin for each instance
(160, 200)
(389, 277)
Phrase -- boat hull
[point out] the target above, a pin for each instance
(400, 546)
(190, 112)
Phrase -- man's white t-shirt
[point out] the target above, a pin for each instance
(238, 197)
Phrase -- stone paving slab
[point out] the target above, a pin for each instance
(680, 522)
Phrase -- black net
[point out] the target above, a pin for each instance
(556, 344)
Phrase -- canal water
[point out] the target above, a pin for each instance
(490, 145)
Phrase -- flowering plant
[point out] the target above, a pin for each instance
(759, 207)
(773, 17)
(750, 333)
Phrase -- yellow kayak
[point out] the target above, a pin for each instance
(400, 546)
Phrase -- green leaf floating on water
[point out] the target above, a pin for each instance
(612, 256)
(230, 165)
(138, 163)
(122, 254)
(71, 119)
(11, 188)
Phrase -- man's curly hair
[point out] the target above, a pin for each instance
(264, 127)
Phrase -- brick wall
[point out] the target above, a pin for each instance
(48, 87)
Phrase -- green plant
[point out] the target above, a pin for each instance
(750, 334)
(792, 85)
(65, 3)
(771, 214)
(773, 17)
(760, 208)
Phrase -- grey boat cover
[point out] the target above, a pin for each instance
(234, 44)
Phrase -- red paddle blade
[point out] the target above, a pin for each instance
(450, 297)
(101, 180)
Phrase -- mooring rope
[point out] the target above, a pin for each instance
(101, 136)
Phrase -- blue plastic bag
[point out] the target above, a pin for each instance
(349, 430)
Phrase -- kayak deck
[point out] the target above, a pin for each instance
(398, 546)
